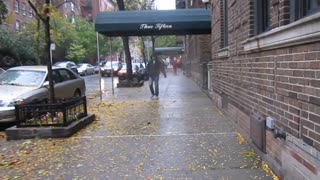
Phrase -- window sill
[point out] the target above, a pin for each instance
(224, 52)
(302, 31)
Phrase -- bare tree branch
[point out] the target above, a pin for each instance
(58, 5)
(36, 11)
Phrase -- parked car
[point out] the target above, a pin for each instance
(67, 64)
(142, 70)
(109, 68)
(85, 69)
(2, 70)
(96, 69)
(102, 63)
(136, 73)
(24, 84)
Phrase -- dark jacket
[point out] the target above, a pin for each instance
(154, 68)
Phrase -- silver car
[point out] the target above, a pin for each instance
(85, 69)
(25, 84)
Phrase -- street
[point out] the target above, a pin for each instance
(92, 83)
(246, 106)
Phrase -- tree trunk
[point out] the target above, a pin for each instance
(125, 41)
(38, 43)
(48, 58)
(144, 55)
(153, 39)
(128, 56)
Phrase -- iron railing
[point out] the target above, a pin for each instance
(61, 113)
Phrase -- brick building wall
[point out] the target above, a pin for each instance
(19, 15)
(90, 8)
(275, 73)
(197, 51)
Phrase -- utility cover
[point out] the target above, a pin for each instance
(258, 130)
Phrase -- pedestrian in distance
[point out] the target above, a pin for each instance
(174, 66)
(154, 67)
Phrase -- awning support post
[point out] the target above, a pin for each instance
(111, 66)
(98, 56)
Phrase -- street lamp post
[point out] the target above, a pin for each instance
(98, 57)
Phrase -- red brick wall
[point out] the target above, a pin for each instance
(274, 147)
(13, 16)
(198, 50)
(282, 83)
(216, 29)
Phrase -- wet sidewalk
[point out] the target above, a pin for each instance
(180, 136)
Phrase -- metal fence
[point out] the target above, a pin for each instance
(41, 113)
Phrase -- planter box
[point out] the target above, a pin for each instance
(125, 83)
(15, 133)
(42, 114)
(50, 120)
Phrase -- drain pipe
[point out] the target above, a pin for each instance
(280, 133)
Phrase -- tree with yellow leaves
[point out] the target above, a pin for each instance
(3, 11)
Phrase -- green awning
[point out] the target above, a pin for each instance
(168, 50)
(154, 22)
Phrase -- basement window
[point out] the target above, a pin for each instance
(261, 16)
(225, 23)
(302, 8)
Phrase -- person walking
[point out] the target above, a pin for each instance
(174, 66)
(154, 67)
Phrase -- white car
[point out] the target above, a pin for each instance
(25, 84)
(85, 69)
(110, 68)
(67, 64)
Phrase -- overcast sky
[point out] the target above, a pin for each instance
(165, 4)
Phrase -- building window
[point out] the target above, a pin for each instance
(180, 4)
(302, 8)
(225, 23)
(16, 6)
(261, 16)
(73, 20)
(23, 7)
(17, 25)
(30, 12)
(72, 7)
(24, 26)
(191, 3)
